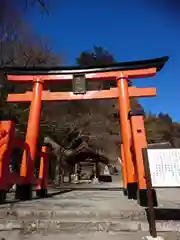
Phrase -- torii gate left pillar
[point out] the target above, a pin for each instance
(27, 166)
(124, 109)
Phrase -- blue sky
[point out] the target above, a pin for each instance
(130, 30)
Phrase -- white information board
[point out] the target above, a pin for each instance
(164, 167)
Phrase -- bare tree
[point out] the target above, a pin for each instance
(19, 46)
(7, 5)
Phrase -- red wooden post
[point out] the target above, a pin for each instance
(140, 142)
(43, 172)
(7, 129)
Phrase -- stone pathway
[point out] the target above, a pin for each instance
(83, 214)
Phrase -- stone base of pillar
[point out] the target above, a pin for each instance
(23, 192)
(95, 180)
(42, 193)
(143, 199)
(74, 178)
(132, 190)
(2, 196)
(125, 191)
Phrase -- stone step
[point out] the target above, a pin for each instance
(17, 235)
(83, 211)
(85, 226)
(79, 215)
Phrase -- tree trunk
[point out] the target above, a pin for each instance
(61, 172)
(57, 171)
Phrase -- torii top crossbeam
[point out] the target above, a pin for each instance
(130, 70)
(134, 69)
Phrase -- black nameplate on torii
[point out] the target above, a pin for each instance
(79, 84)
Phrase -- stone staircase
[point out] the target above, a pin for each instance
(80, 212)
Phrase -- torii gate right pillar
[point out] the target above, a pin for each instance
(124, 108)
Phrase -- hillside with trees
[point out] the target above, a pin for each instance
(161, 128)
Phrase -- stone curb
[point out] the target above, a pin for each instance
(86, 226)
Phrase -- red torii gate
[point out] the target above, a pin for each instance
(131, 123)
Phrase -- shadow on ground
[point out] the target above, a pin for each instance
(92, 189)
(50, 195)
(166, 214)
